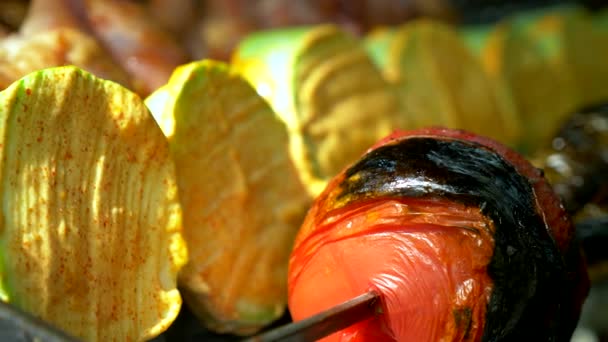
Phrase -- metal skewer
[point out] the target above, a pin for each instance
(325, 323)
(26, 327)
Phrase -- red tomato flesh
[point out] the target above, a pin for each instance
(427, 258)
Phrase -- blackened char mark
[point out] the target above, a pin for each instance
(526, 266)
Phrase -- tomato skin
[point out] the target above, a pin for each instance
(413, 237)
(354, 240)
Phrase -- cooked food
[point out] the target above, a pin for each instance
(323, 85)
(464, 239)
(222, 24)
(242, 198)
(525, 83)
(566, 35)
(441, 82)
(145, 50)
(54, 35)
(249, 158)
(554, 34)
(574, 160)
(20, 55)
(90, 236)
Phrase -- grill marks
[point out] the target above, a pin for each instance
(332, 75)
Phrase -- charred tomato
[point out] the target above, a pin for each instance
(463, 237)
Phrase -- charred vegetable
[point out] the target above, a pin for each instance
(440, 81)
(326, 89)
(463, 237)
(90, 232)
(240, 192)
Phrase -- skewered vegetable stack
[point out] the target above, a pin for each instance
(245, 170)
(516, 81)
